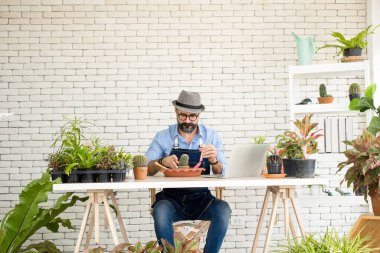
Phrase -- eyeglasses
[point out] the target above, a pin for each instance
(192, 117)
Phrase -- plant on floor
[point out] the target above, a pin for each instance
(328, 242)
(324, 98)
(367, 103)
(363, 161)
(27, 217)
(354, 91)
(353, 46)
(298, 146)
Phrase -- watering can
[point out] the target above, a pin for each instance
(305, 49)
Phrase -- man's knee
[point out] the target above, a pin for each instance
(162, 208)
(222, 209)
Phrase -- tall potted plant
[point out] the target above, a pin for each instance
(298, 146)
(363, 159)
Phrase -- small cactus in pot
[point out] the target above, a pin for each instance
(183, 162)
(324, 98)
(354, 91)
(140, 169)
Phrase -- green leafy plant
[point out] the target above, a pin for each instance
(364, 164)
(27, 217)
(354, 89)
(328, 242)
(258, 139)
(73, 154)
(300, 145)
(359, 41)
(366, 103)
(181, 246)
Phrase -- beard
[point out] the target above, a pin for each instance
(187, 127)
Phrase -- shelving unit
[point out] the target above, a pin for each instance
(323, 71)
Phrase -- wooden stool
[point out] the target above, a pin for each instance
(367, 225)
(96, 198)
(196, 228)
(285, 193)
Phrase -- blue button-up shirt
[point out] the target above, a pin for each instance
(163, 143)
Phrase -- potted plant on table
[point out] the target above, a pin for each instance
(354, 46)
(363, 159)
(140, 169)
(354, 91)
(274, 162)
(297, 147)
(324, 98)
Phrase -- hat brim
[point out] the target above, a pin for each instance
(187, 109)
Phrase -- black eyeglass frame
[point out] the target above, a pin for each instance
(183, 117)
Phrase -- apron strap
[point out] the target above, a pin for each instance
(176, 141)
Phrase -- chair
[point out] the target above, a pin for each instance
(189, 230)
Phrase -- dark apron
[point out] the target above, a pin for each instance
(193, 202)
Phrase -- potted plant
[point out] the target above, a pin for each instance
(28, 216)
(363, 159)
(353, 46)
(297, 147)
(140, 170)
(184, 162)
(354, 91)
(324, 98)
(121, 165)
(274, 162)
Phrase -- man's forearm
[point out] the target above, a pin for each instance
(152, 168)
(217, 168)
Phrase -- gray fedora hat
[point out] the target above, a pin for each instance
(189, 102)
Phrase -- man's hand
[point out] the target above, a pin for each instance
(210, 152)
(170, 162)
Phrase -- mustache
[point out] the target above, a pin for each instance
(187, 127)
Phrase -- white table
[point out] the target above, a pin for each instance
(282, 188)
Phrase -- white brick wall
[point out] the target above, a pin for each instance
(119, 63)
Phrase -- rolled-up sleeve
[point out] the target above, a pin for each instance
(217, 142)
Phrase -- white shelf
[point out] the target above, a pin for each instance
(331, 69)
(320, 108)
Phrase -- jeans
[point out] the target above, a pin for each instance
(219, 213)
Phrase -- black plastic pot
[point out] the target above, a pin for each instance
(118, 175)
(289, 167)
(73, 177)
(274, 168)
(357, 51)
(305, 168)
(352, 96)
(103, 176)
(87, 176)
(58, 174)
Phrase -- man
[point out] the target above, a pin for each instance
(189, 137)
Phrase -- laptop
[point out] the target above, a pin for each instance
(247, 160)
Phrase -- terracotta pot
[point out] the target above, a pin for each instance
(375, 199)
(326, 100)
(140, 173)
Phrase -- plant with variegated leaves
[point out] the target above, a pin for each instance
(364, 164)
(299, 145)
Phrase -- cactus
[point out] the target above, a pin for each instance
(184, 160)
(139, 161)
(354, 89)
(322, 91)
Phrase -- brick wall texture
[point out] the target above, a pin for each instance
(120, 63)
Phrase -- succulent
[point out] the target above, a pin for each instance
(354, 89)
(323, 91)
(184, 160)
(139, 161)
